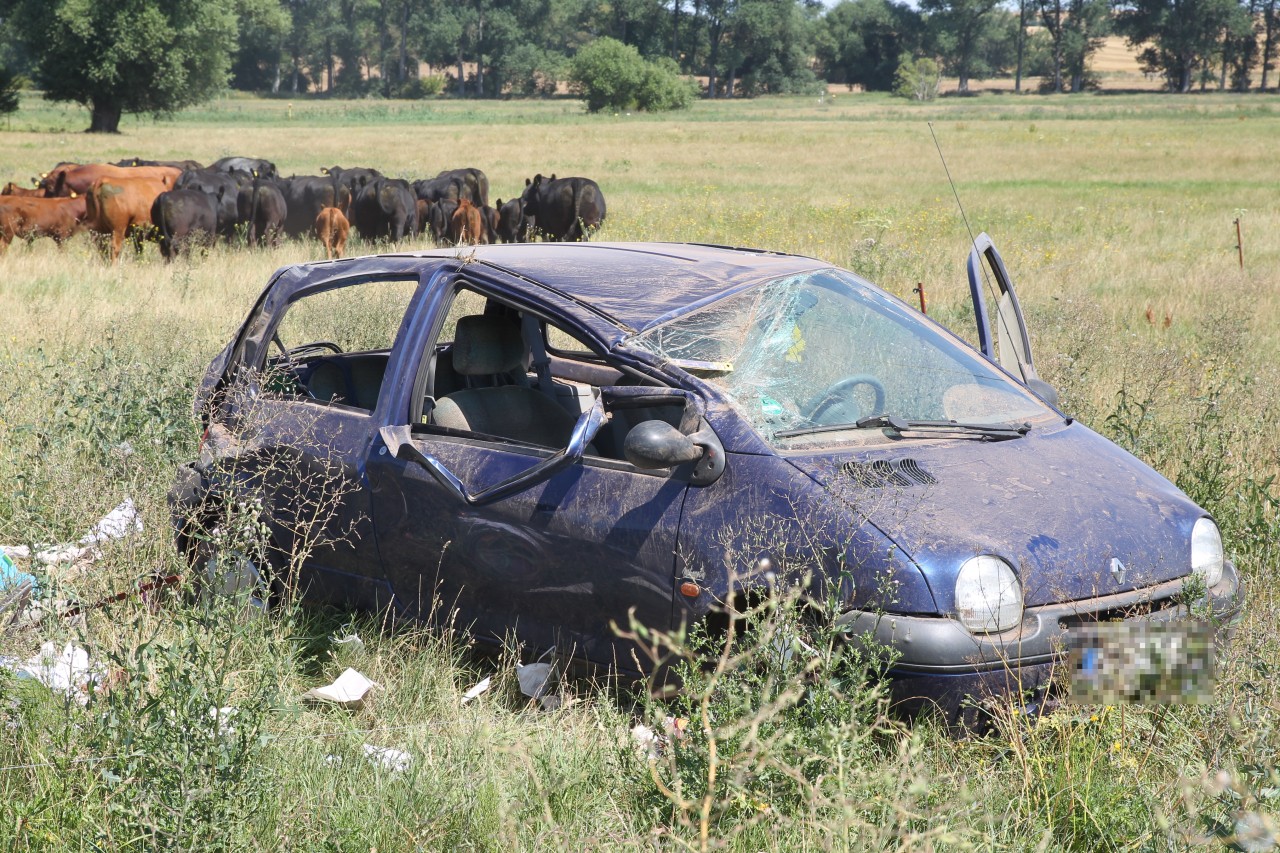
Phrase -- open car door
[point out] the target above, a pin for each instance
(1002, 332)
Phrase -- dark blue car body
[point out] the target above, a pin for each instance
(558, 544)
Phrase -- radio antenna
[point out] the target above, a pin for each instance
(972, 239)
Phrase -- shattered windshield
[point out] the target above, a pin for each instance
(823, 348)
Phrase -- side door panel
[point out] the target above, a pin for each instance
(559, 564)
(311, 462)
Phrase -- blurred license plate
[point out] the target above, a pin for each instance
(1141, 662)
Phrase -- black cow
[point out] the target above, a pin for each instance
(354, 179)
(183, 217)
(489, 216)
(566, 209)
(385, 209)
(184, 165)
(223, 188)
(260, 207)
(306, 196)
(455, 185)
(252, 165)
(440, 215)
(513, 225)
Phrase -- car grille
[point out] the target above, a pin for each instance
(1118, 614)
(879, 473)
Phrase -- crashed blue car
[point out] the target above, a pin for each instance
(536, 441)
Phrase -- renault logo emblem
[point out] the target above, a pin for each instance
(1117, 569)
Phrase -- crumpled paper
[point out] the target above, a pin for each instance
(347, 691)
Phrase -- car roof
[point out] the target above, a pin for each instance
(639, 285)
(629, 286)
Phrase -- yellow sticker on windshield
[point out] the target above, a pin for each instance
(797, 344)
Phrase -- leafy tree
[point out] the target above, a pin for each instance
(960, 31)
(9, 87)
(1181, 36)
(530, 71)
(1075, 28)
(264, 27)
(613, 76)
(1270, 27)
(917, 79)
(862, 41)
(770, 46)
(127, 56)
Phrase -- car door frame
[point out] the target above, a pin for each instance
(1011, 350)
(410, 366)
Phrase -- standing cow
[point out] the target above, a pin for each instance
(331, 229)
(467, 225)
(183, 217)
(512, 225)
(566, 209)
(119, 206)
(261, 210)
(385, 209)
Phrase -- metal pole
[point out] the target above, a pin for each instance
(919, 290)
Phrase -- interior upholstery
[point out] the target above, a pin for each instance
(353, 379)
(508, 411)
(486, 344)
(492, 344)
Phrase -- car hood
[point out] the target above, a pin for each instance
(1061, 505)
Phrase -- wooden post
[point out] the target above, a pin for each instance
(919, 290)
(1239, 242)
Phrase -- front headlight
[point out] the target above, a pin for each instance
(988, 595)
(1206, 551)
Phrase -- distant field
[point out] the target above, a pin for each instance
(1115, 215)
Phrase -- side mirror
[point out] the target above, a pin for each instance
(657, 444)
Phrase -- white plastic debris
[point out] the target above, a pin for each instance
(222, 718)
(648, 742)
(69, 673)
(395, 760)
(533, 678)
(480, 687)
(117, 524)
(347, 691)
(351, 643)
(652, 745)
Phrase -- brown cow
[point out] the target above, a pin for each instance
(30, 192)
(117, 205)
(59, 218)
(467, 224)
(78, 179)
(332, 229)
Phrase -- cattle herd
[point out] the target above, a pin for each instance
(243, 200)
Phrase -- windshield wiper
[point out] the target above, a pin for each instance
(987, 432)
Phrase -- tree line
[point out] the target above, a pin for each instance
(118, 56)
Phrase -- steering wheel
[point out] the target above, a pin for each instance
(836, 396)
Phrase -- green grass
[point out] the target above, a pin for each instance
(1105, 207)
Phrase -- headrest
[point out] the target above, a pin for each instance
(487, 344)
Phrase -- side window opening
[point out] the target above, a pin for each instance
(494, 373)
(333, 346)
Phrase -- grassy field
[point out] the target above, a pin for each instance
(1115, 215)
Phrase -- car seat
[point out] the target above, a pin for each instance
(488, 345)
